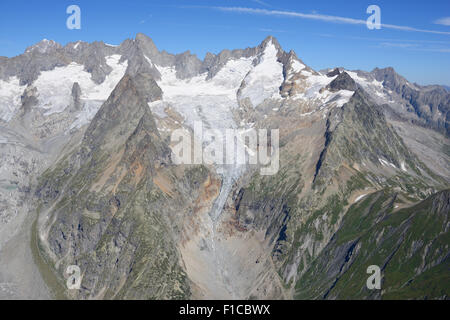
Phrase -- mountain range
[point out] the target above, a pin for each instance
(88, 177)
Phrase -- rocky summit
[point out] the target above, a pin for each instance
(91, 177)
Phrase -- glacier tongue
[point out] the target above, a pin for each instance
(229, 173)
(210, 102)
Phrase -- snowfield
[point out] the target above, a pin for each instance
(264, 81)
(55, 86)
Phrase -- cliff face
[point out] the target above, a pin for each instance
(106, 203)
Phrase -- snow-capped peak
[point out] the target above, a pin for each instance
(44, 46)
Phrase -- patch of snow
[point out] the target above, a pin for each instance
(306, 73)
(88, 112)
(157, 107)
(360, 197)
(373, 87)
(314, 92)
(43, 46)
(403, 166)
(315, 83)
(102, 91)
(386, 163)
(340, 98)
(148, 60)
(297, 66)
(377, 83)
(357, 78)
(306, 114)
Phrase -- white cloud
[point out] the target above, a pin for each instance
(442, 50)
(321, 17)
(265, 4)
(416, 41)
(444, 21)
(414, 47)
(398, 45)
(313, 16)
(270, 30)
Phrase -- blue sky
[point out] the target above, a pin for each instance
(419, 49)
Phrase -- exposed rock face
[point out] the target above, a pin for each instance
(358, 132)
(28, 100)
(333, 72)
(342, 82)
(122, 111)
(300, 209)
(47, 55)
(76, 95)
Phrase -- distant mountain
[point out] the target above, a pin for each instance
(89, 176)
(430, 103)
